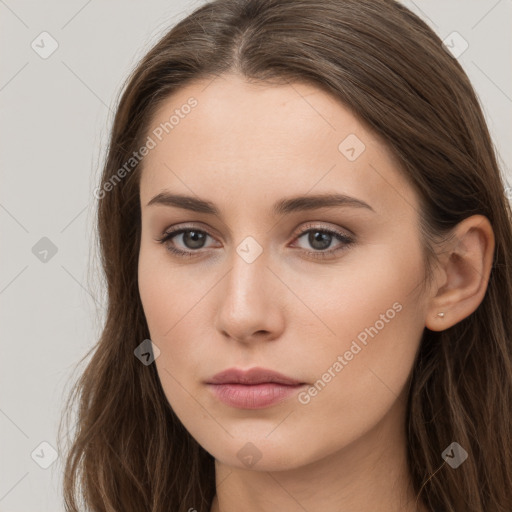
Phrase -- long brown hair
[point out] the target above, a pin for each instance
(130, 452)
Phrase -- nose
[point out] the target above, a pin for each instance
(249, 305)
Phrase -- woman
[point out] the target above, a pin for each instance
(306, 244)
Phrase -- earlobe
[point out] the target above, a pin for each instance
(466, 266)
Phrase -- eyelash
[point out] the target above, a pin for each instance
(342, 237)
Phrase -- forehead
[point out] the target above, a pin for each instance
(227, 136)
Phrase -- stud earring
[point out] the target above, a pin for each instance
(440, 315)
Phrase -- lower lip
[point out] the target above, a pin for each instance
(255, 396)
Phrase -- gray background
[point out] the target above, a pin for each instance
(55, 119)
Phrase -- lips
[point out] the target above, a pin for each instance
(255, 388)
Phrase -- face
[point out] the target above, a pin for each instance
(326, 293)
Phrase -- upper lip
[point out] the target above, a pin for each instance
(254, 375)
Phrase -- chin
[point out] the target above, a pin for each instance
(261, 455)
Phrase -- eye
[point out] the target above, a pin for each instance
(321, 238)
(192, 238)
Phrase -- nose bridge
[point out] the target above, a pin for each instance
(247, 302)
(248, 260)
(248, 276)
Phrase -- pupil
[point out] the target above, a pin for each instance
(324, 238)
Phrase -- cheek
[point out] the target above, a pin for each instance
(174, 299)
(169, 312)
(351, 297)
(376, 323)
(373, 296)
(167, 292)
(152, 291)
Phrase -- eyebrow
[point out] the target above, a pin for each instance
(281, 207)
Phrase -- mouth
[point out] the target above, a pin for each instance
(255, 388)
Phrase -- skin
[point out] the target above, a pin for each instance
(244, 147)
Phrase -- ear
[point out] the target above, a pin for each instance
(463, 273)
